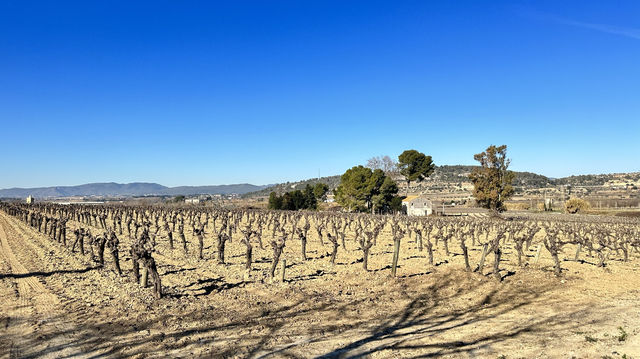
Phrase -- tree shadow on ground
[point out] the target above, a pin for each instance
(207, 286)
(47, 274)
(415, 274)
(179, 270)
(304, 277)
(382, 269)
(427, 321)
(581, 261)
(410, 329)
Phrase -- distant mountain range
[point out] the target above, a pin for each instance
(442, 175)
(126, 190)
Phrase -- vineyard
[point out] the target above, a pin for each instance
(253, 283)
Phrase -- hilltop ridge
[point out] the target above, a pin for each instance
(458, 174)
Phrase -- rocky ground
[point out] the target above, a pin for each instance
(57, 304)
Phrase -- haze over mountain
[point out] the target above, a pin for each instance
(442, 174)
(112, 189)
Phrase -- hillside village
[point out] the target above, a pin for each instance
(450, 186)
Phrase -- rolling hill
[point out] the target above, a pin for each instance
(459, 173)
(112, 189)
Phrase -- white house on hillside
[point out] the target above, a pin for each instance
(417, 206)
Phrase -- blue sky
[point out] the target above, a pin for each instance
(211, 92)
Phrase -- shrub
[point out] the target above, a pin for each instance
(623, 334)
(294, 200)
(575, 205)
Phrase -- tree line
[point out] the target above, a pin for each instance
(299, 199)
(373, 189)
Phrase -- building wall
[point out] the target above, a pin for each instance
(425, 211)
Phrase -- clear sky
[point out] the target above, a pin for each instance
(218, 92)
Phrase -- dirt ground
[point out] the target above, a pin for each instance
(58, 304)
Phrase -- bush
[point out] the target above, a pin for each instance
(178, 199)
(294, 200)
(575, 205)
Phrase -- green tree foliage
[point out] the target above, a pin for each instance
(384, 195)
(294, 200)
(362, 189)
(178, 199)
(275, 201)
(309, 198)
(396, 204)
(492, 181)
(353, 191)
(415, 166)
(320, 191)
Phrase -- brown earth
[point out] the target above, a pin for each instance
(57, 304)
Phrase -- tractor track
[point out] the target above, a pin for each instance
(39, 309)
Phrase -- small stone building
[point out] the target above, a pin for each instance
(417, 206)
(30, 199)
